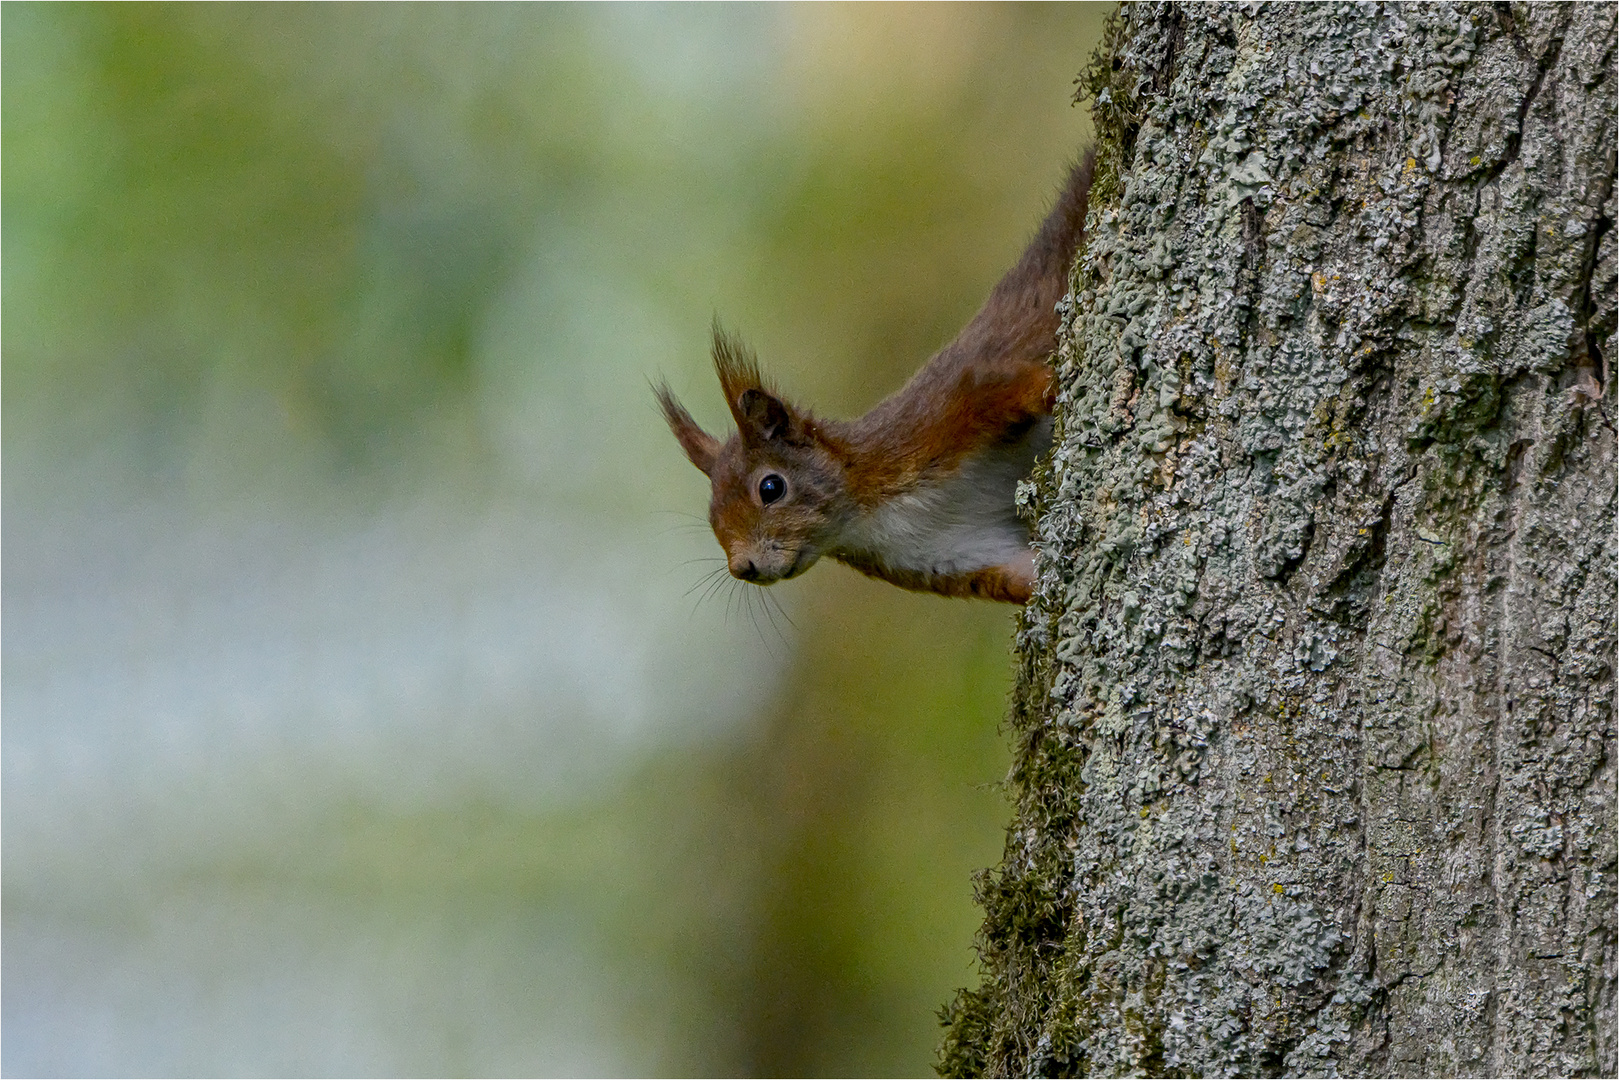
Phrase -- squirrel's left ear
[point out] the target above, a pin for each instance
(761, 416)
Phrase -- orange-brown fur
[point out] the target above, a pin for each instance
(979, 396)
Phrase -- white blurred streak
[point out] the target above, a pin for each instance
(208, 671)
(254, 986)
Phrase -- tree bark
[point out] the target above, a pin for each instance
(1315, 721)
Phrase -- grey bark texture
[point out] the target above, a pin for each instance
(1315, 721)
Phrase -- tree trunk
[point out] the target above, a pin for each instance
(1315, 727)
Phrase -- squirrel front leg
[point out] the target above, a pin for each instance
(1011, 582)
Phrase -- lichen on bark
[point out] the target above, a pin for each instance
(1315, 719)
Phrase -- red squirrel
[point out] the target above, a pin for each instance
(919, 491)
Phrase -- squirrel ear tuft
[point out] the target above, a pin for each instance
(701, 448)
(736, 366)
(759, 414)
(762, 416)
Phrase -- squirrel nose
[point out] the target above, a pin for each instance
(742, 567)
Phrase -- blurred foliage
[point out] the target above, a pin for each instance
(358, 253)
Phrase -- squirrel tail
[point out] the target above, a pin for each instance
(1043, 269)
(1017, 325)
(995, 376)
(1063, 231)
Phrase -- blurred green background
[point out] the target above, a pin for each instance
(359, 715)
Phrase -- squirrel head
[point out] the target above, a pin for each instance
(779, 490)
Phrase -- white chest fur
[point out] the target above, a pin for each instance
(963, 523)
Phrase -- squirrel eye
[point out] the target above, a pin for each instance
(771, 488)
